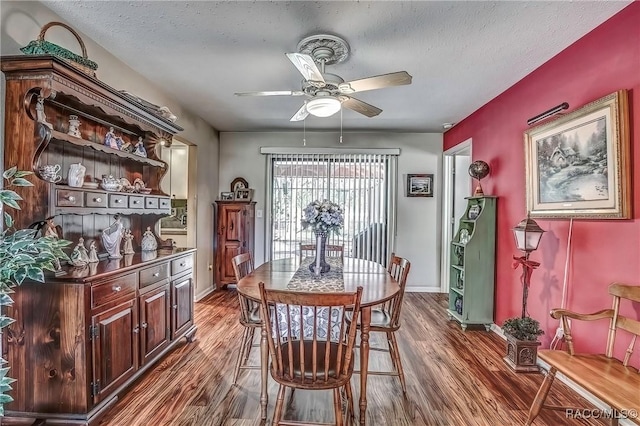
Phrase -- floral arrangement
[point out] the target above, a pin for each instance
(322, 216)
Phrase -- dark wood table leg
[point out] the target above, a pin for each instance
(365, 321)
(264, 360)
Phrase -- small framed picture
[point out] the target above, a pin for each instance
(419, 185)
(243, 194)
(227, 196)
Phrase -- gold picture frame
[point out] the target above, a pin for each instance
(578, 166)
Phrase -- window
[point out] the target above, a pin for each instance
(363, 184)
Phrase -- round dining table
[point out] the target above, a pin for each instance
(378, 287)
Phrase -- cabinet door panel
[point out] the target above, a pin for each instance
(154, 322)
(181, 305)
(229, 251)
(233, 224)
(115, 347)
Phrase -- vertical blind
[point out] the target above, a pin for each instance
(363, 184)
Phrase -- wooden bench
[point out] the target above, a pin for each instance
(612, 381)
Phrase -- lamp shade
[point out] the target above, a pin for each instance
(323, 106)
(527, 234)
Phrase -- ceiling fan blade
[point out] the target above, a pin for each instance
(306, 66)
(272, 93)
(301, 114)
(362, 107)
(399, 78)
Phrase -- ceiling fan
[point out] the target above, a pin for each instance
(328, 93)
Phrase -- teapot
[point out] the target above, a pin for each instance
(110, 183)
(49, 172)
(75, 177)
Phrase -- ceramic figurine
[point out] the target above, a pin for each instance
(75, 176)
(119, 142)
(111, 238)
(149, 242)
(126, 147)
(49, 229)
(128, 242)
(40, 115)
(74, 126)
(93, 252)
(110, 139)
(79, 255)
(139, 148)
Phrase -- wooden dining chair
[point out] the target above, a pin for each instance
(249, 316)
(385, 318)
(318, 356)
(332, 250)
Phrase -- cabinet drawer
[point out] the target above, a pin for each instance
(66, 198)
(150, 203)
(113, 289)
(118, 201)
(154, 274)
(181, 264)
(95, 199)
(165, 203)
(136, 202)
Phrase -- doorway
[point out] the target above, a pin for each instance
(456, 186)
(179, 183)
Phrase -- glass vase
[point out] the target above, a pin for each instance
(320, 265)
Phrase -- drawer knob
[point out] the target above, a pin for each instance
(157, 274)
(183, 264)
(144, 325)
(136, 330)
(97, 200)
(136, 201)
(70, 198)
(116, 288)
(117, 200)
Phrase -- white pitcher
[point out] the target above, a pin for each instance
(75, 177)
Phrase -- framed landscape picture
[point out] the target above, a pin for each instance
(579, 165)
(420, 185)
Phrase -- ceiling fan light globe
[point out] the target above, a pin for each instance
(324, 106)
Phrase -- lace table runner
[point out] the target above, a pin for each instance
(305, 280)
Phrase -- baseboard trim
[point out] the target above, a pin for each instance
(423, 289)
(570, 383)
(198, 297)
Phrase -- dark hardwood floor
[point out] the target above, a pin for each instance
(453, 378)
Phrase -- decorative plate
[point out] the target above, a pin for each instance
(474, 211)
(239, 183)
(464, 236)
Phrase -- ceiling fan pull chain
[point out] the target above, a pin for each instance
(304, 132)
(340, 125)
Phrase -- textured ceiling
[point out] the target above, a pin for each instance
(460, 54)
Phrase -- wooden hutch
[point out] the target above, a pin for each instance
(84, 335)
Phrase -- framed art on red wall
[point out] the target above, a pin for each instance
(579, 165)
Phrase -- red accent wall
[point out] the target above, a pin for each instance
(602, 251)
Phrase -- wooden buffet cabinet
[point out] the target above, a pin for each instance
(235, 228)
(84, 335)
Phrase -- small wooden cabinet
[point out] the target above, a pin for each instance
(472, 274)
(235, 228)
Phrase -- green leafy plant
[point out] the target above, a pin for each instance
(23, 256)
(523, 328)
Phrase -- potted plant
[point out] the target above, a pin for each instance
(23, 256)
(522, 332)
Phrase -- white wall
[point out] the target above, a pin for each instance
(20, 23)
(418, 231)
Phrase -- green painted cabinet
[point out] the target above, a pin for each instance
(472, 263)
